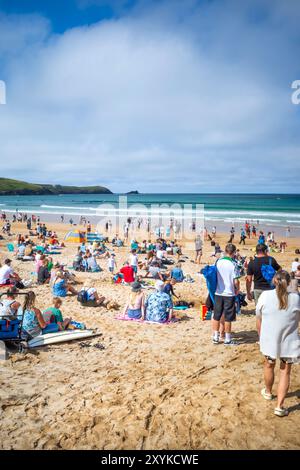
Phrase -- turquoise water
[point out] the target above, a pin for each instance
(270, 209)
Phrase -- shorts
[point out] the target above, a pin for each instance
(134, 268)
(111, 269)
(224, 305)
(198, 252)
(285, 360)
(134, 313)
(257, 293)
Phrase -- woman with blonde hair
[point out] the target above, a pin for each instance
(60, 287)
(278, 316)
(135, 307)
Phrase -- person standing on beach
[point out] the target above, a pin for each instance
(278, 317)
(254, 272)
(243, 237)
(198, 249)
(232, 232)
(228, 286)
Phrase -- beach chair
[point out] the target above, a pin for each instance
(10, 247)
(11, 329)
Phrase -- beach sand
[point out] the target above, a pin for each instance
(152, 386)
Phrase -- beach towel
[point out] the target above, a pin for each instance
(210, 274)
(181, 307)
(120, 317)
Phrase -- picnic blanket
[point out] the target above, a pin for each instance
(120, 317)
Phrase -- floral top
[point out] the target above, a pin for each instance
(30, 323)
(157, 307)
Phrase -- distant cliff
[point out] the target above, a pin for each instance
(9, 187)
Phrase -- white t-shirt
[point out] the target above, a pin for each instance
(111, 262)
(5, 272)
(159, 254)
(279, 328)
(295, 265)
(133, 260)
(227, 272)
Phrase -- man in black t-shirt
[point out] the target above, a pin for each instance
(254, 272)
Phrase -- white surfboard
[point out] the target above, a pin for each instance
(59, 337)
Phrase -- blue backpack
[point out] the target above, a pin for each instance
(268, 272)
(210, 274)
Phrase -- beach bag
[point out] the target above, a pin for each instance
(82, 297)
(210, 274)
(268, 272)
(9, 329)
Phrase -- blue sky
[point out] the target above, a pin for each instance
(159, 96)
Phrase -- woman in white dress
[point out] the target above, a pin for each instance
(278, 316)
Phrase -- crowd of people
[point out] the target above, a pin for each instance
(158, 266)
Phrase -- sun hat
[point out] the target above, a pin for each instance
(159, 285)
(136, 286)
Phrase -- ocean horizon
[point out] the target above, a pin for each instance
(268, 209)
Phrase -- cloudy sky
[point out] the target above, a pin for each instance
(158, 96)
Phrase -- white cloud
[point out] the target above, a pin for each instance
(153, 101)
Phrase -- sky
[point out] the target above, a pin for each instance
(151, 95)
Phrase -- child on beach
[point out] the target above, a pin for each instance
(112, 264)
(54, 315)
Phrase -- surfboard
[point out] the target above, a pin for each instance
(59, 337)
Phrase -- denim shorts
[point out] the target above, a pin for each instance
(134, 313)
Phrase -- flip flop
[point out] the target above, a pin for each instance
(266, 395)
(281, 412)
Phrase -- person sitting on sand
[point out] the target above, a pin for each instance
(60, 287)
(159, 305)
(43, 275)
(154, 272)
(93, 298)
(7, 274)
(77, 263)
(9, 307)
(33, 321)
(177, 273)
(54, 315)
(278, 317)
(92, 264)
(128, 273)
(135, 306)
(21, 251)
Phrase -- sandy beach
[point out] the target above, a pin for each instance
(151, 386)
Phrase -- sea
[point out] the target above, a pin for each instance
(271, 211)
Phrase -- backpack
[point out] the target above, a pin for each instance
(82, 297)
(268, 272)
(210, 274)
